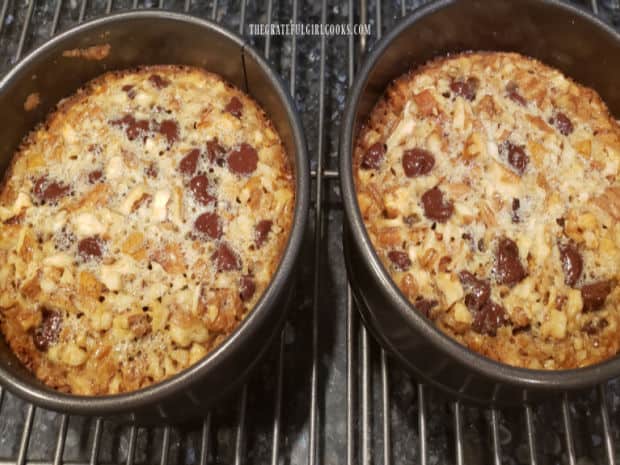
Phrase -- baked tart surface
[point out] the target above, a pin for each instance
(488, 184)
(140, 224)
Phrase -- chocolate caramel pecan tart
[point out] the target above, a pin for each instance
(139, 225)
(488, 184)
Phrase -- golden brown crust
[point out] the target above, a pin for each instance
(140, 224)
(488, 183)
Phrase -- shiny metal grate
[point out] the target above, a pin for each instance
(327, 393)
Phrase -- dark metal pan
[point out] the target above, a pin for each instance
(141, 38)
(559, 35)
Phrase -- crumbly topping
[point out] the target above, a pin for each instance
(488, 183)
(140, 224)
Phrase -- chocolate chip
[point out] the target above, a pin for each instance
(90, 247)
(140, 324)
(158, 81)
(478, 290)
(247, 288)
(444, 263)
(225, 258)
(417, 162)
(130, 91)
(466, 89)
(400, 259)
(261, 232)
(572, 263)
(516, 156)
(170, 129)
(594, 295)
(49, 191)
(46, 334)
(516, 204)
(234, 107)
(133, 127)
(490, 317)
(189, 162)
(216, 152)
(435, 206)
(199, 186)
(425, 306)
(562, 123)
(594, 327)
(560, 222)
(373, 157)
(151, 171)
(513, 93)
(243, 160)
(209, 224)
(94, 176)
(508, 268)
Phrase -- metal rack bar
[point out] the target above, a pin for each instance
(240, 438)
(204, 440)
(214, 11)
(385, 375)
(385, 391)
(94, 451)
(458, 433)
(422, 424)
(594, 6)
(268, 37)
(531, 435)
(82, 11)
(277, 413)
(24, 32)
(318, 226)
(497, 453)
(327, 174)
(165, 446)
(60, 442)
(568, 431)
(108, 7)
(609, 445)
(131, 449)
(351, 316)
(3, 11)
(243, 400)
(365, 354)
(56, 17)
(242, 18)
(350, 378)
(25, 439)
(366, 439)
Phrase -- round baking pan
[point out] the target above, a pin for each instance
(142, 38)
(559, 35)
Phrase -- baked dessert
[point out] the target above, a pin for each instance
(488, 184)
(140, 224)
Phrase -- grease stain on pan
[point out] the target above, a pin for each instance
(32, 101)
(96, 52)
